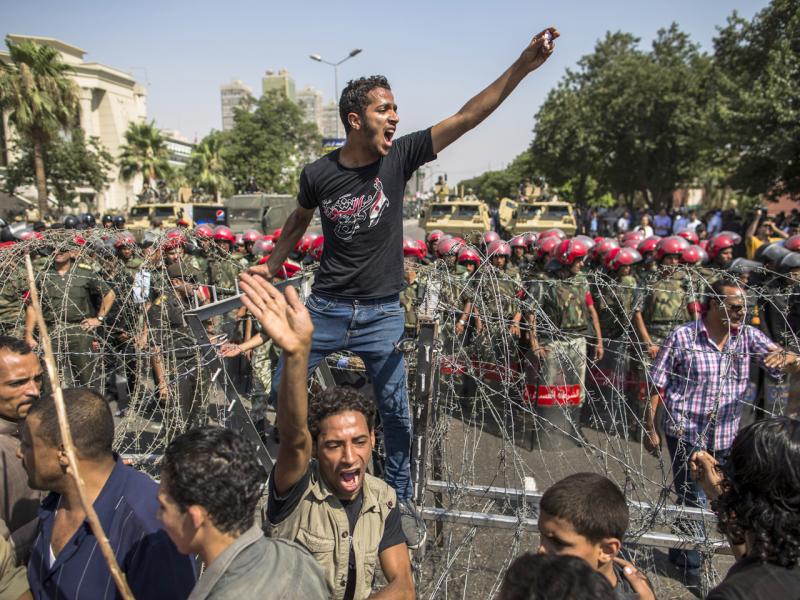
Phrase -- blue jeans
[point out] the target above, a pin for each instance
(690, 493)
(369, 329)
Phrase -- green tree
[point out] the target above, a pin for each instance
(756, 113)
(41, 100)
(268, 145)
(205, 169)
(71, 162)
(144, 153)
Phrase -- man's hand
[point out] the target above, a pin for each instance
(637, 579)
(540, 49)
(704, 469)
(31, 341)
(599, 352)
(539, 352)
(90, 323)
(284, 319)
(652, 350)
(514, 330)
(261, 271)
(782, 359)
(229, 350)
(651, 439)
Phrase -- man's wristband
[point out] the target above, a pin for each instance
(462, 321)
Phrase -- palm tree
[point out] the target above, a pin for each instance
(144, 153)
(205, 168)
(41, 100)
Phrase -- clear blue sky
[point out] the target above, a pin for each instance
(436, 54)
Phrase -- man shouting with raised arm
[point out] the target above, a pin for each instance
(359, 191)
(320, 494)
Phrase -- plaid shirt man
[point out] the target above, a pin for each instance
(703, 385)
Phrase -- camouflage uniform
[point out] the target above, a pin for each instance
(497, 304)
(120, 327)
(609, 381)
(409, 298)
(562, 326)
(12, 305)
(66, 301)
(664, 304)
(180, 357)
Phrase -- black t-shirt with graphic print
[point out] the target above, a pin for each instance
(362, 218)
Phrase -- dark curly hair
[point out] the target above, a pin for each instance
(355, 97)
(215, 468)
(761, 491)
(335, 400)
(541, 577)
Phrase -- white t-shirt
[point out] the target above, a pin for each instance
(648, 231)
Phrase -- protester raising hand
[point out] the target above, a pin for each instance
(283, 318)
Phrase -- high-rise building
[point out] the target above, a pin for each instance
(309, 100)
(331, 125)
(109, 100)
(231, 96)
(281, 82)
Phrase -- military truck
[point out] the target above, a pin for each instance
(169, 213)
(262, 212)
(456, 217)
(518, 217)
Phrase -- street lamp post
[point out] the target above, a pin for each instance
(335, 66)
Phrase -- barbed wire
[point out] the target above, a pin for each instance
(487, 428)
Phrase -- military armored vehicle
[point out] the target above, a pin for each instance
(169, 213)
(456, 217)
(518, 217)
(262, 212)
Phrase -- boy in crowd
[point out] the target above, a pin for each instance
(585, 515)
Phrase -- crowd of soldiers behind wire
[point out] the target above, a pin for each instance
(211, 258)
(622, 251)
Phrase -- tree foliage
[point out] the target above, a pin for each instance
(639, 123)
(71, 162)
(206, 169)
(144, 153)
(268, 145)
(41, 100)
(756, 115)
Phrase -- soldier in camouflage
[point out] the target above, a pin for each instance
(670, 299)
(561, 324)
(176, 357)
(16, 315)
(66, 292)
(614, 291)
(412, 294)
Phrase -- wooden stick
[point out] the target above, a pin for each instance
(69, 447)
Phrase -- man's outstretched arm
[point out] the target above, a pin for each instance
(287, 322)
(482, 105)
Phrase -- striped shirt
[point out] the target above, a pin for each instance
(704, 386)
(126, 507)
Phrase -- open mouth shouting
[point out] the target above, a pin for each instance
(388, 134)
(350, 480)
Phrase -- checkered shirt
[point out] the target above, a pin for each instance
(704, 386)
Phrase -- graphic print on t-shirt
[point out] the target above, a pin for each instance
(349, 212)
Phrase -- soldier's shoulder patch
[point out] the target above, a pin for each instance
(86, 267)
